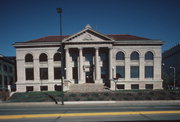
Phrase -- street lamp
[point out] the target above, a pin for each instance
(59, 11)
(174, 75)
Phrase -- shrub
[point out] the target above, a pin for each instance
(90, 99)
(72, 95)
(77, 99)
(106, 94)
(95, 95)
(84, 94)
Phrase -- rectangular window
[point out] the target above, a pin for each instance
(57, 72)
(5, 68)
(120, 72)
(149, 71)
(120, 86)
(43, 73)
(57, 88)
(135, 86)
(10, 69)
(134, 71)
(29, 88)
(149, 86)
(44, 88)
(29, 73)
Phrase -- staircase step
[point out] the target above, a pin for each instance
(88, 87)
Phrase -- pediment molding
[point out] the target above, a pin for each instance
(88, 35)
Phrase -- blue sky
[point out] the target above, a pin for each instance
(23, 20)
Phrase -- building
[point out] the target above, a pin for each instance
(171, 58)
(90, 57)
(7, 73)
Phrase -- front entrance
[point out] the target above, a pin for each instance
(89, 77)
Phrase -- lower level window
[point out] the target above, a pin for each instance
(135, 86)
(57, 88)
(120, 86)
(29, 88)
(134, 71)
(43, 73)
(149, 86)
(57, 72)
(149, 71)
(120, 71)
(44, 88)
(29, 73)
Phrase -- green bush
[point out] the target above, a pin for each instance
(95, 95)
(106, 94)
(72, 95)
(84, 94)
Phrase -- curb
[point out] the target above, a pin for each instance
(158, 102)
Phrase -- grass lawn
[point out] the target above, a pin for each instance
(97, 96)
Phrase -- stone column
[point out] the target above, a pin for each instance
(36, 70)
(67, 64)
(127, 68)
(97, 67)
(141, 68)
(80, 66)
(50, 68)
(110, 64)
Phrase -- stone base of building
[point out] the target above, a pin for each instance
(89, 87)
(129, 85)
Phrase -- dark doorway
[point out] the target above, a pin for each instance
(89, 77)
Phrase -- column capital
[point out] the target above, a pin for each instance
(110, 48)
(66, 48)
(96, 48)
(80, 48)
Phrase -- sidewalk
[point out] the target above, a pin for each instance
(121, 103)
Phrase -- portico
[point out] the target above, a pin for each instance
(88, 63)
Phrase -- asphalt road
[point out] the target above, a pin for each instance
(114, 112)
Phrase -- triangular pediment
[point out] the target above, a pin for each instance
(88, 35)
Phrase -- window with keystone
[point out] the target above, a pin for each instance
(57, 57)
(134, 55)
(29, 58)
(120, 56)
(149, 56)
(43, 57)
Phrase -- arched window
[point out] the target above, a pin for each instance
(43, 57)
(28, 58)
(57, 57)
(120, 56)
(149, 56)
(134, 55)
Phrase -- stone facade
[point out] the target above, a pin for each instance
(89, 57)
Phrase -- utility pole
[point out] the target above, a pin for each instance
(59, 11)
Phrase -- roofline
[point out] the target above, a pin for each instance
(140, 42)
(35, 44)
(84, 30)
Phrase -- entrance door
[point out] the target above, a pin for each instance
(89, 77)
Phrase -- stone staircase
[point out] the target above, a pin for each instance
(88, 87)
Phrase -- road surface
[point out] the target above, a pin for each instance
(91, 112)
